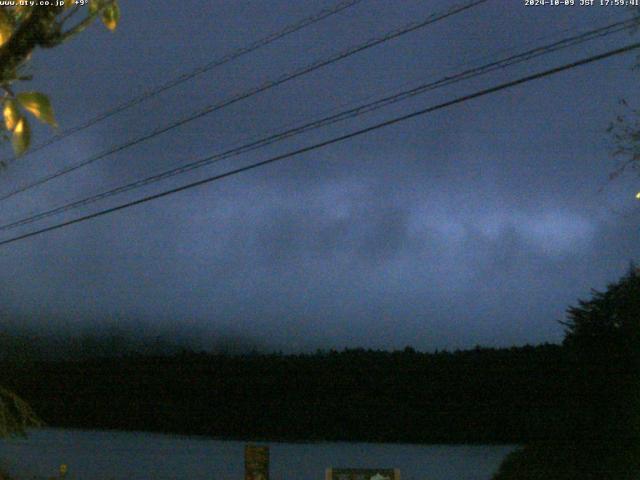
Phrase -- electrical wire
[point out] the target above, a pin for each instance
(217, 62)
(408, 28)
(344, 115)
(316, 146)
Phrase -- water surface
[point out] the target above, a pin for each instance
(103, 455)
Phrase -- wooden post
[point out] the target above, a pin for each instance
(362, 474)
(256, 462)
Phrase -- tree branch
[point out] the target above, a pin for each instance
(76, 29)
(39, 29)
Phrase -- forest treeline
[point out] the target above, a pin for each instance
(483, 395)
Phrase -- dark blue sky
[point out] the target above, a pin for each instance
(477, 224)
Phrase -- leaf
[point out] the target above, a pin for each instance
(11, 114)
(38, 104)
(94, 6)
(21, 137)
(111, 16)
(6, 27)
(21, 11)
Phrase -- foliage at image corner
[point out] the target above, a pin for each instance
(22, 30)
(15, 415)
(625, 128)
(560, 461)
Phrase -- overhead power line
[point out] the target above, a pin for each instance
(316, 146)
(217, 62)
(329, 120)
(411, 27)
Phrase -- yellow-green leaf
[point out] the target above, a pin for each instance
(11, 114)
(94, 6)
(38, 104)
(111, 16)
(6, 27)
(21, 137)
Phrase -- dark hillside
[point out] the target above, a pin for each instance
(481, 395)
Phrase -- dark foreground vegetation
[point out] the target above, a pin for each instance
(482, 395)
(558, 460)
(600, 435)
(575, 406)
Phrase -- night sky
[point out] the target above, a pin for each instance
(476, 224)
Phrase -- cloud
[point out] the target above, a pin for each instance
(476, 224)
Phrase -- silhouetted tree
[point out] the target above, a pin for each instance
(625, 129)
(599, 437)
(603, 335)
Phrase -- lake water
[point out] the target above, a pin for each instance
(103, 455)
